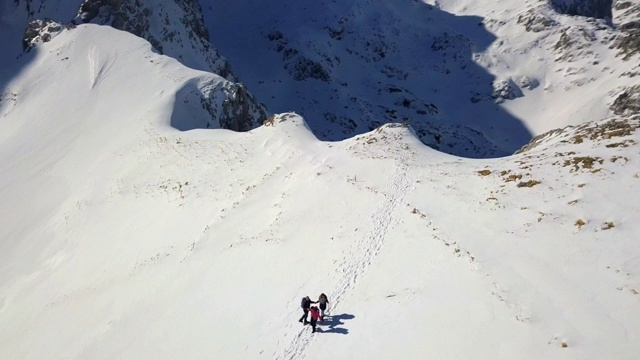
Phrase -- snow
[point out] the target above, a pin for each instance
(123, 237)
(572, 90)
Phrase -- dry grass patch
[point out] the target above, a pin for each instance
(513, 177)
(418, 212)
(530, 183)
(484, 172)
(616, 158)
(608, 130)
(580, 223)
(270, 121)
(584, 162)
(565, 154)
(578, 139)
(623, 144)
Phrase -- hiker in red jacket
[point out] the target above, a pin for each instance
(315, 315)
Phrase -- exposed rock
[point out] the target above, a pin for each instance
(628, 42)
(226, 105)
(628, 102)
(454, 49)
(621, 5)
(342, 121)
(40, 31)
(302, 68)
(534, 21)
(505, 90)
(240, 110)
(626, 17)
(297, 65)
(167, 25)
(574, 42)
(526, 82)
(599, 9)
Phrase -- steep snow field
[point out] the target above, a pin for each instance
(122, 237)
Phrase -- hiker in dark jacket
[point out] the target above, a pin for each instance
(323, 301)
(305, 304)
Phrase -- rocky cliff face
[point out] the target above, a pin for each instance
(174, 28)
(627, 19)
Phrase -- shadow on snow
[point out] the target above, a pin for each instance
(371, 63)
(331, 324)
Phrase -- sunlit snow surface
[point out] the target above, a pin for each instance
(124, 238)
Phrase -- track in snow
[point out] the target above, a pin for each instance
(383, 220)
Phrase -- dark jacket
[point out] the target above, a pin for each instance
(322, 300)
(306, 303)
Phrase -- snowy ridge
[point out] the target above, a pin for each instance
(156, 22)
(128, 230)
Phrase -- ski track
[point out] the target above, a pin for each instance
(99, 68)
(383, 220)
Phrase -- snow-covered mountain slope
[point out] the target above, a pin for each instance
(122, 236)
(184, 245)
(174, 28)
(474, 79)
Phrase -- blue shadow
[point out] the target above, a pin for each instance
(332, 324)
(368, 65)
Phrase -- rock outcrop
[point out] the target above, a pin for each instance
(40, 31)
(226, 105)
(627, 20)
(170, 26)
(627, 103)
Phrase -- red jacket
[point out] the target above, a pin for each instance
(315, 313)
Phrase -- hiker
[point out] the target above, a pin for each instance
(305, 304)
(315, 315)
(323, 301)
